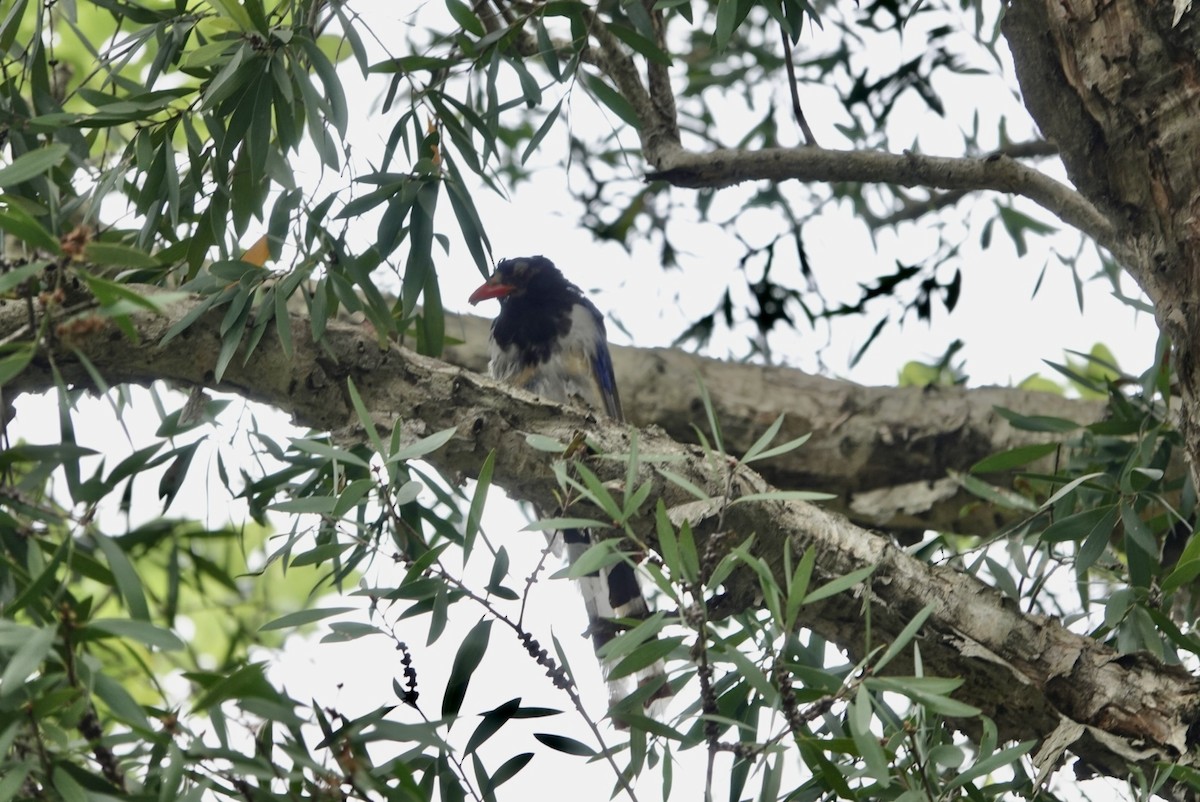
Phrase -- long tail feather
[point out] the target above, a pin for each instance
(611, 593)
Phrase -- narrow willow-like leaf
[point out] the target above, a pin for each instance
(32, 164)
(475, 513)
(839, 585)
(466, 661)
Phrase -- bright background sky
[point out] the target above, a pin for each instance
(1007, 333)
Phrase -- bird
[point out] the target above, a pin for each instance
(550, 340)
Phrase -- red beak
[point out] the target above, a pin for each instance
(492, 288)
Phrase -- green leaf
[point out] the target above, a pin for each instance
(9, 28)
(783, 448)
(641, 45)
(611, 98)
(25, 227)
(747, 670)
(727, 19)
(120, 702)
(142, 631)
(1075, 527)
(540, 442)
(1097, 539)
(315, 505)
(425, 445)
(1137, 530)
(714, 426)
(596, 492)
(598, 555)
(624, 643)
(344, 631)
(478, 500)
(419, 264)
(866, 741)
(499, 573)
(32, 164)
(1183, 574)
(798, 586)
(68, 788)
(118, 255)
(506, 772)
(492, 721)
(541, 132)
(17, 361)
(327, 451)
(902, 640)
(465, 17)
(554, 524)
(249, 681)
(645, 655)
(1013, 458)
(1018, 223)
(1117, 605)
(1037, 423)
(364, 417)
(469, 224)
(1000, 496)
(688, 553)
(764, 440)
(683, 482)
(334, 94)
(126, 578)
(26, 659)
(561, 743)
(840, 584)
(303, 617)
(466, 661)
(125, 299)
(992, 762)
(783, 495)
(668, 544)
(1069, 488)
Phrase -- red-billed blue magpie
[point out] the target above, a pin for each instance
(550, 339)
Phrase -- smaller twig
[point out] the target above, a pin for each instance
(531, 580)
(809, 139)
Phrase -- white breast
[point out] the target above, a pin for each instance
(567, 375)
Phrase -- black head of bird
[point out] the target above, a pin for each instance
(532, 277)
(537, 310)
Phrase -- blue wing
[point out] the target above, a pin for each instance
(602, 373)
(601, 366)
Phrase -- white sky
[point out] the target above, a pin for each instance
(1007, 335)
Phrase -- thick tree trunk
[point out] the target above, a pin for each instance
(1116, 85)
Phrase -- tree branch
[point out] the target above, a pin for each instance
(655, 109)
(723, 168)
(1030, 674)
(886, 453)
